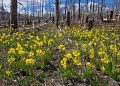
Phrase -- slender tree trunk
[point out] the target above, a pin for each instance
(2, 8)
(98, 7)
(42, 7)
(101, 15)
(65, 9)
(68, 19)
(57, 12)
(13, 15)
(73, 10)
(79, 16)
(87, 6)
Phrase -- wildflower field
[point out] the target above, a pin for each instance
(60, 57)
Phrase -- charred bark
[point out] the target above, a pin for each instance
(13, 15)
(68, 19)
(57, 13)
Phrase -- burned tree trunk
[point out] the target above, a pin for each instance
(2, 9)
(65, 8)
(79, 11)
(90, 24)
(53, 20)
(68, 19)
(111, 14)
(73, 10)
(13, 15)
(57, 12)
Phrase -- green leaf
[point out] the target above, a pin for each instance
(109, 68)
(27, 80)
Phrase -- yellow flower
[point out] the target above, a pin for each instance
(76, 53)
(8, 72)
(95, 43)
(0, 66)
(118, 54)
(11, 51)
(40, 44)
(40, 52)
(105, 60)
(76, 44)
(90, 43)
(63, 62)
(113, 48)
(0, 40)
(60, 35)
(55, 36)
(50, 41)
(30, 36)
(37, 38)
(88, 64)
(91, 53)
(31, 46)
(102, 68)
(26, 45)
(31, 53)
(76, 60)
(21, 52)
(84, 46)
(101, 53)
(61, 47)
(119, 44)
(30, 61)
(19, 47)
(11, 60)
(68, 56)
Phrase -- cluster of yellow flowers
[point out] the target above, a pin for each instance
(113, 48)
(118, 54)
(11, 51)
(61, 47)
(20, 49)
(11, 60)
(63, 62)
(0, 66)
(50, 42)
(75, 56)
(31, 54)
(30, 61)
(88, 64)
(91, 53)
(8, 72)
(40, 52)
(105, 59)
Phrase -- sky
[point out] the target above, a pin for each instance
(28, 7)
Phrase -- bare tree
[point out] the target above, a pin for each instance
(13, 15)
(73, 3)
(79, 16)
(57, 12)
(66, 8)
(2, 9)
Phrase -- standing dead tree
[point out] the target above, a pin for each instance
(13, 15)
(2, 9)
(73, 3)
(79, 16)
(57, 12)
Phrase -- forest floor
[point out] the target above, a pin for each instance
(69, 56)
